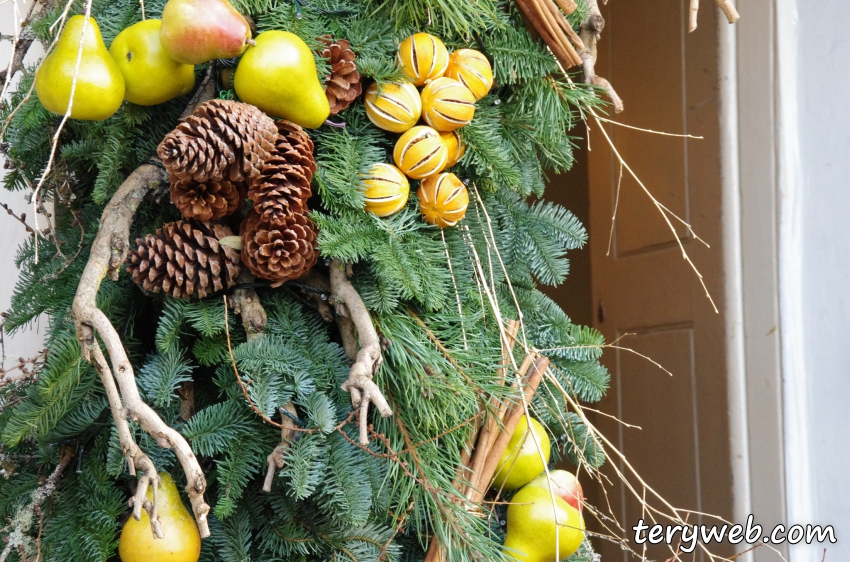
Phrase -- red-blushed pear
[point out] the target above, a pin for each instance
(564, 485)
(198, 31)
(542, 527)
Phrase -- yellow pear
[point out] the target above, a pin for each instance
(151, 76)
(521, 462)
(182, 542)
(278, 75)
(542, 527)
(99, 89)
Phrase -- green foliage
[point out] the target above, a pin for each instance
(82, 524)
(160, 377)
(333, 499)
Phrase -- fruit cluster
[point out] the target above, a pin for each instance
(451, 84)
(153, 61)
(544, 517)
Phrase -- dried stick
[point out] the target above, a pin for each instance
(108, 252)
(246, 303)
(692, 16)
(363, 390)
(729, 10)
(589, 32)
(512, 417)
(24, 518)
(275, 459)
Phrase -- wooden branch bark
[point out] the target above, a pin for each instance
(589, 33)
(363, 390)
(108, 252)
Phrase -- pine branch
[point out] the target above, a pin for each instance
(363, 390)
(24, 519)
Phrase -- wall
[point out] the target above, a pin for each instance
(815, 266)
(25, 343)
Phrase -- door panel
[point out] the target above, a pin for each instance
(669, 82)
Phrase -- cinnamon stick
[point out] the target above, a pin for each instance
(486, 440)
(435, 550)
(529, 11)
(512, 417)
(569, 6)
(554, 31)
(565, 26)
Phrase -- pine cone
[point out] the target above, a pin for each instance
(184, 260)
(343, 84)
(221, 140)
(281, 252)
(207, 201)
(295, 145)
(283, 186)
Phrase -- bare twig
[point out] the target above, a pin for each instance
(275, 459)
(363, 390)
(239, 381)
(24, 370)
(108, 252)
(246, 304)
(21, 219)
(107, 255)
(728, 9)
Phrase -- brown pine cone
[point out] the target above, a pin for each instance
(184, 260)
(221, 140)
(342, 86)
(207, 201)
(281, 252)
(283, 186)
(294, 144)
(280, 191)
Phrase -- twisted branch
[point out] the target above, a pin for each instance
(108, 252)
(107, 256)
(589, 33)
(356, 323)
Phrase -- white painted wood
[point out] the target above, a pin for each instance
(24, 343)
(733, 276)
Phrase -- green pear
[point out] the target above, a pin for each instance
(278, 75)
(197, 31)
(521, 462)
(151, 76)
(182, 541)
(99, 89)
(542, 527)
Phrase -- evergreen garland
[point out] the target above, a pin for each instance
(333, 499)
